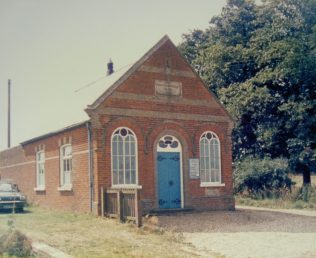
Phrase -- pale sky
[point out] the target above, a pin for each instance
(50, 48)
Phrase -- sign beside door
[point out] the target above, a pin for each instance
(194, 168)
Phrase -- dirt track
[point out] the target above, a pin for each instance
(246, 233)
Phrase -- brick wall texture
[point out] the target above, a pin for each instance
(134, 104)
(19, 165)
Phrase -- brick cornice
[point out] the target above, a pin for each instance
(161, 99)
(162, 115)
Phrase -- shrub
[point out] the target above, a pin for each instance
(14, 243)
(262, 178)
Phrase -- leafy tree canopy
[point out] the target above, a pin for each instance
(260, 60)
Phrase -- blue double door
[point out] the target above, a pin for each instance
(169, 186)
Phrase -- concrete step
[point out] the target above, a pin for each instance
(157, 212)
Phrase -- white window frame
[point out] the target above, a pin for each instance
(211, 159)
(65, 186)
(124, 185)
(40, 163)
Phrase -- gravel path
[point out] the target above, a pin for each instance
(246, 233)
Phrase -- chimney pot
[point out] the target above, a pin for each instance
(110, 67)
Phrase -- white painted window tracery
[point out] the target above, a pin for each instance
(124, 157)
(168, 143)
(210, 159)
(66, 165)
(40, 170)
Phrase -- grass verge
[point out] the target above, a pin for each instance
(277, 203)
(83, 235)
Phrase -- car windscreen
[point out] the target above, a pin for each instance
(4, 187)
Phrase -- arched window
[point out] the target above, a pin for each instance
(66, 166)
(124, 157)
(210, 159)
(40, 170)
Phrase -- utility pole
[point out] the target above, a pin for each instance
(9, 113)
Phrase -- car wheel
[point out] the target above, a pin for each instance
(20, 210)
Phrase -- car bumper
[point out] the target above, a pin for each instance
(9, 205)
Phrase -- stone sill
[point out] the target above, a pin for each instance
(65, 188)
(39, 189)
(126, 187)
(212, 184)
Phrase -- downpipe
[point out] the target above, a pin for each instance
(90, 165)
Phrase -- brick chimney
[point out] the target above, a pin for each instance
(110, 67)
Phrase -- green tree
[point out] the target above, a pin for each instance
(193, 43)
(260, 61)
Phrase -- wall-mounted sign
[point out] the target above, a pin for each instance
(194, 167)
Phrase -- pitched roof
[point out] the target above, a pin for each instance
(91, 96)
(123, 75)
(70, 127)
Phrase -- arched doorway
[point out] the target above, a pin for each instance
(169, 173)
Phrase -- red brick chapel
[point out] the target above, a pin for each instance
(154, 127)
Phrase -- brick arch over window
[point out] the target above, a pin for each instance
(219, 131)
(172, 128)
(109, 128)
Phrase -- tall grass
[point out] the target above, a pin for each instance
(298, 197)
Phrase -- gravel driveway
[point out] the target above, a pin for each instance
(246, 233)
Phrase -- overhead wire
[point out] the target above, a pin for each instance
(100, 78)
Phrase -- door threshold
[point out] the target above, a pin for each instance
(157, 212)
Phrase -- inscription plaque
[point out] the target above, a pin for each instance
(166, 88)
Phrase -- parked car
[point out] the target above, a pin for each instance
(10, 197)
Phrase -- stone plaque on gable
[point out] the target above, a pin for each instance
(168, 88)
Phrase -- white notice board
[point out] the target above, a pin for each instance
(194, 167)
